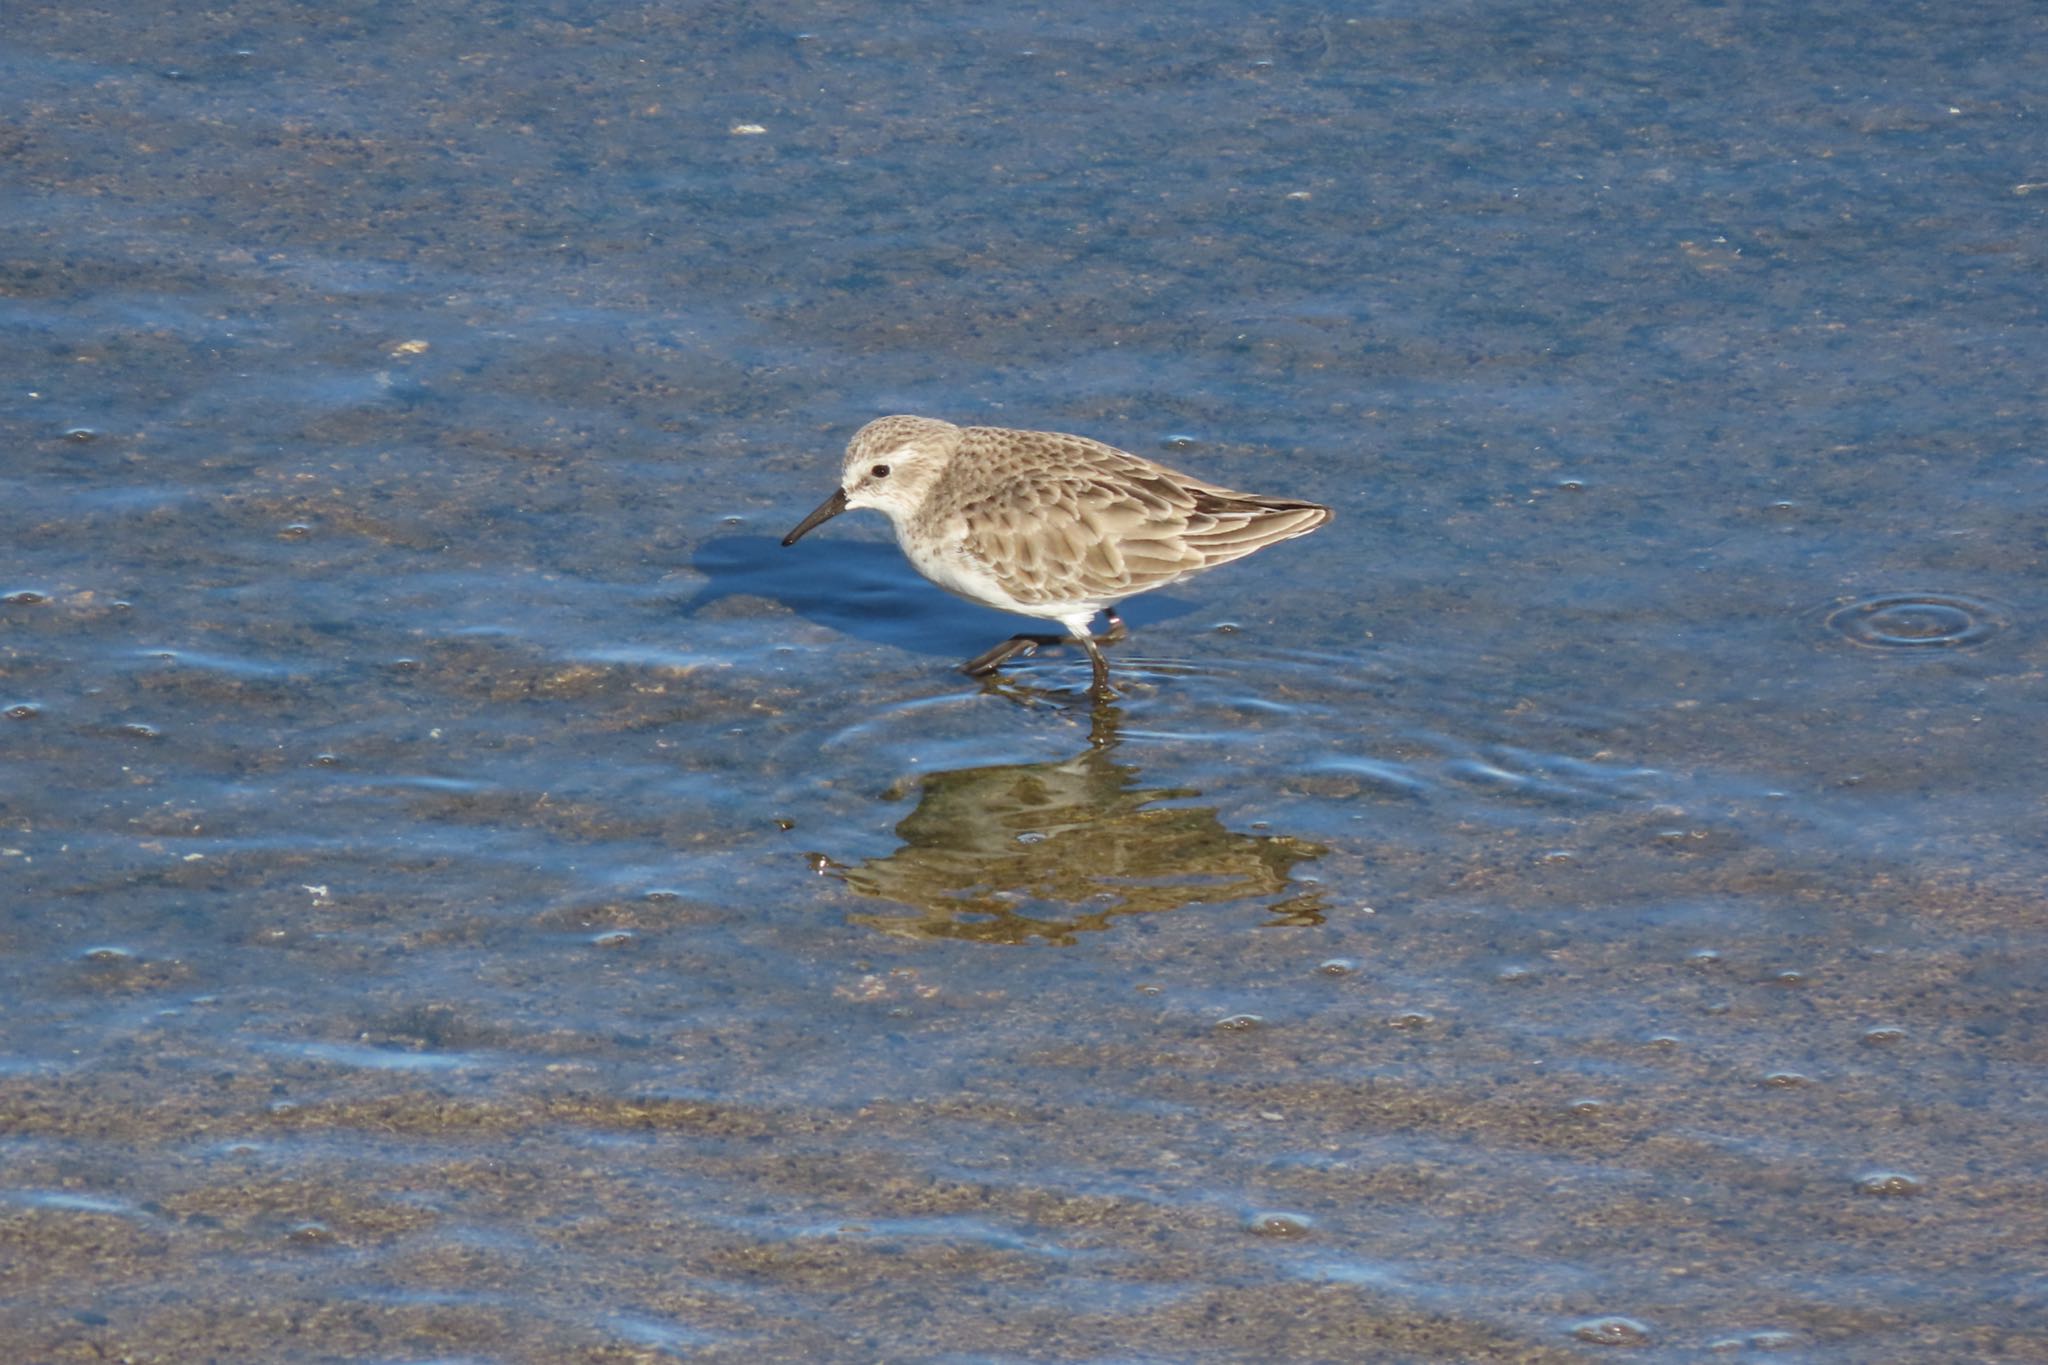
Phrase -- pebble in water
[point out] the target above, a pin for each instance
(1612, 1331)
(1279, 1223)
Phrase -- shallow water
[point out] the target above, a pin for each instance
(473, 895)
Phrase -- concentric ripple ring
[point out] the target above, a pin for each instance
(1917, 620)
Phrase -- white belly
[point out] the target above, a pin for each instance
(948, 564)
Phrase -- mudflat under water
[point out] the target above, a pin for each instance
(471, 895)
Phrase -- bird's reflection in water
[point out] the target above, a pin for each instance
(1043, 852)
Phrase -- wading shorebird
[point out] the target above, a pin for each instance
(1049, 525)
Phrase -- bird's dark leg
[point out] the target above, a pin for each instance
(1100, 688)
(987, 662)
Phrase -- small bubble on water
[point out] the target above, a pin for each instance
(1889, 1184)
(1226, 627)
(1410, 1019)
(1612, 1331)
(660, 893)
(81, 434)
(294, 530)
(1790, 977)
(311, 1234)
(1786, 1080)
(1589, 1106)
(1279, 1223)
(24, 710)
(1663, 1042)
(1337, 966)
(1180, 441)
(136, 729)
(1239, 1023)
(107, 955)
(1704, 957)
(613, 938)
(1515, 974)
(1556, 856)
(1571, 485)
(25, 597)
(1883, 1035)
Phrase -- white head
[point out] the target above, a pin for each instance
(891, 464)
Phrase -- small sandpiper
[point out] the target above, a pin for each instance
(1044, 524)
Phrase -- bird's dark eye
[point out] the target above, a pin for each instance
(880, 471)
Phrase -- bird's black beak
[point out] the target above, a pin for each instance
(828, 509)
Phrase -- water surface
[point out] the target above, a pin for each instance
(473, 895)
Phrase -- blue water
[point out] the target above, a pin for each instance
(473, 894)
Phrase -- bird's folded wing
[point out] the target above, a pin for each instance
(1104, 528)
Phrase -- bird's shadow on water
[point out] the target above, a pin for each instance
(867, 590)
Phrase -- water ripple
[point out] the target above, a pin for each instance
(1918, 620)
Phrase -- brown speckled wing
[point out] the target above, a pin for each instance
(1068, 519)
